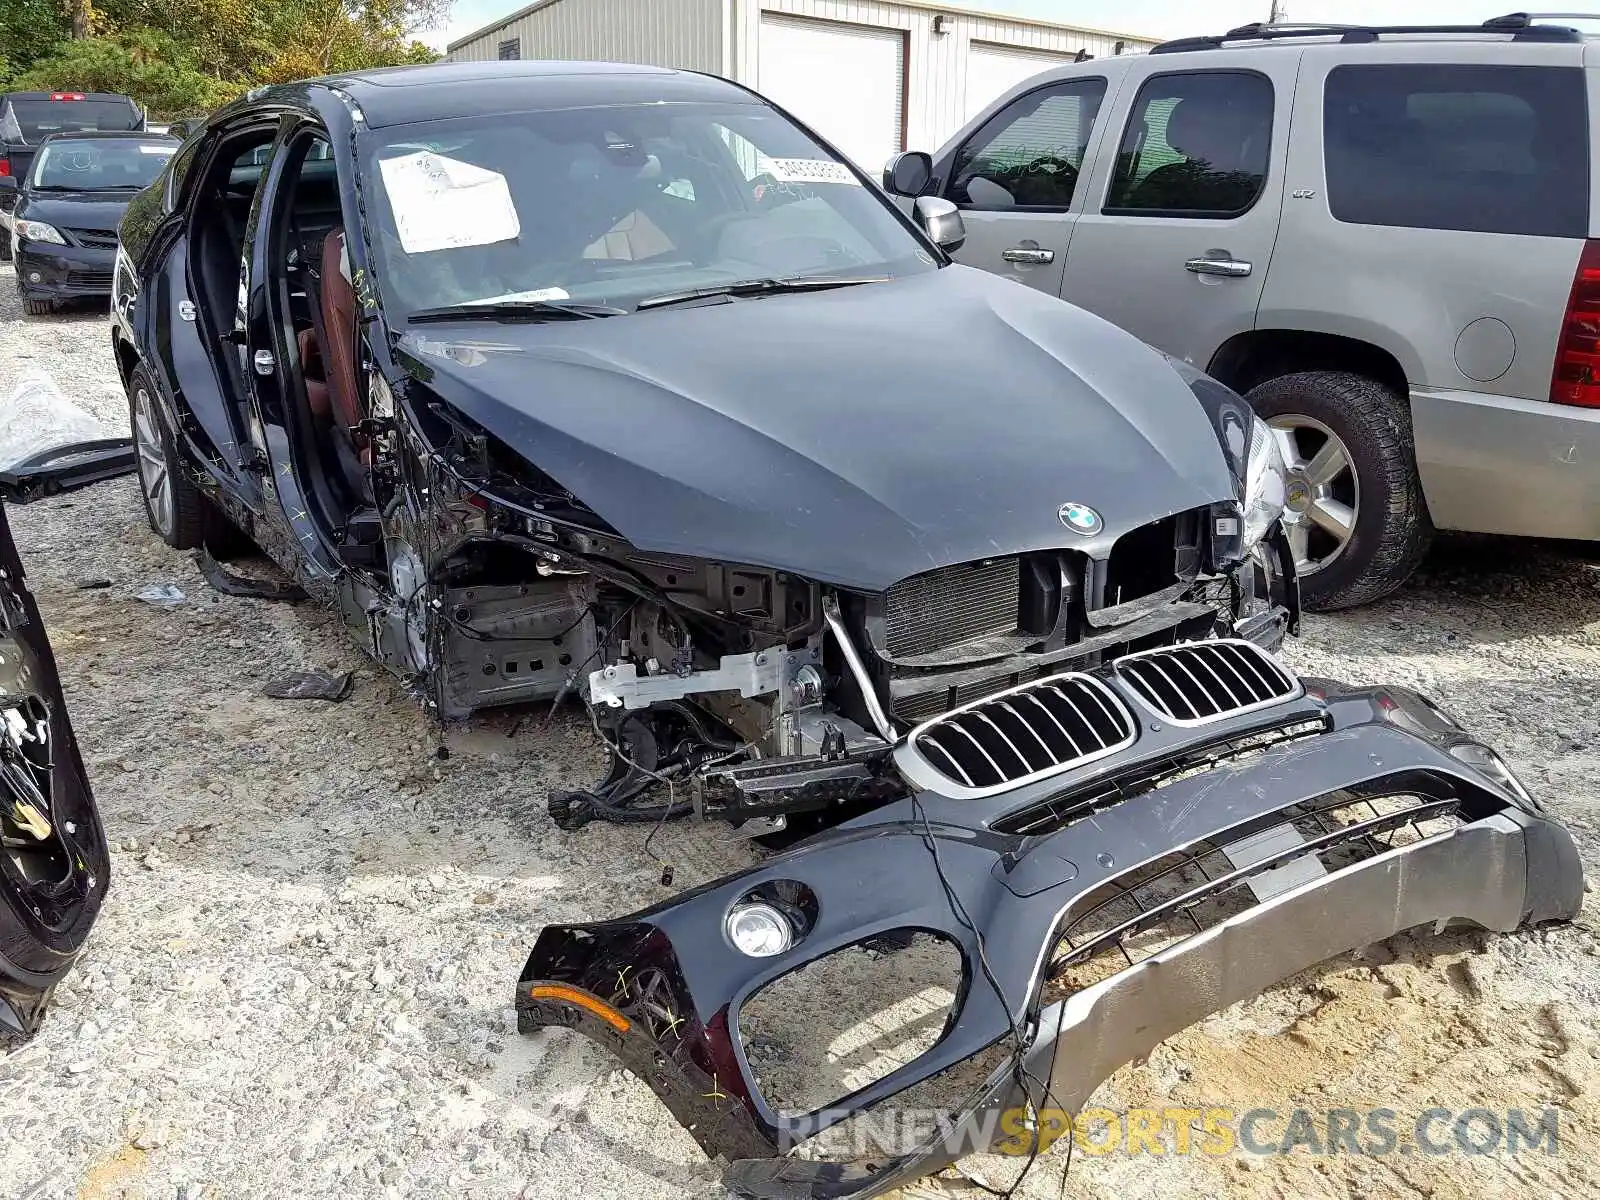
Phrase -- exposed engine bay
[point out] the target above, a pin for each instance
(750, 694)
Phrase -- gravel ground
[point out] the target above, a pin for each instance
(300, 982)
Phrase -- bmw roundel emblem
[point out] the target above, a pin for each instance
(1080, 518)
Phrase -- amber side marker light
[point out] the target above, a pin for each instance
(571, 995)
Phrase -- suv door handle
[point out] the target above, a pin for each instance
(1232, 268)
(1026, 254)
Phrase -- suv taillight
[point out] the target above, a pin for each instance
(5, 167)
(1576, 378)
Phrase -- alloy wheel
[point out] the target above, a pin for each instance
(155, 475)
(1322, 491)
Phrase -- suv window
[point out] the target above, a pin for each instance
(1028, 154)
(1490, 149)
(33, 119)
(1196, 145)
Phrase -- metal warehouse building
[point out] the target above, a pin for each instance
(872, 77)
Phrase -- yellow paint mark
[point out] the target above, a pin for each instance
(113, 1176)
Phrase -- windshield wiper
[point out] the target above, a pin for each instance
(758, 287)
(511, 311)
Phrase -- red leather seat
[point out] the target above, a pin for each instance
(339, 324)
(331, 378)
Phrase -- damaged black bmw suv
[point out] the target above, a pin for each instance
(618, 384)
(646, 396)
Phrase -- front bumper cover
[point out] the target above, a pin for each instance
(670, 988)
(65, 272)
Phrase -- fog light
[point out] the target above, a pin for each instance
(33, 277)
(759, 930)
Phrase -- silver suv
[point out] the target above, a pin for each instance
(1384, 237)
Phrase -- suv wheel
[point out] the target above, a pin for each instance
(1356, 518)
(179, 512)
(5, 245)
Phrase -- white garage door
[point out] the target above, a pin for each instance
(845, 81)
(994, 70)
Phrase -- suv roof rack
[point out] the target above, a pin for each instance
(1521, 26)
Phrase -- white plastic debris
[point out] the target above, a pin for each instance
(38, 416)
(163, 595)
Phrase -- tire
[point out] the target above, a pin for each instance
(5, 245)
(38, 308)
(179, 514)
(1391, 530)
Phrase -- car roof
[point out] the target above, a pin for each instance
(85, 95)
(1513, 28)
(101, 135)
(399, 95)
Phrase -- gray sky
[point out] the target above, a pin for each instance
(1158, 18)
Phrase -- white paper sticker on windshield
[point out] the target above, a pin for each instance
(164, 151)
(442, 203)
(533, 297)
(809, 170)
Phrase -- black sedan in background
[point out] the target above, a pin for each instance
(64, 227)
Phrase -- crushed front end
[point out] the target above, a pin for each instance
(1090, 862)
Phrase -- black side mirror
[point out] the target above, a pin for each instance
(908, 173)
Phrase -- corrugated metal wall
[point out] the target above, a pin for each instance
(691, 34)
(936, 71)
(665, 33)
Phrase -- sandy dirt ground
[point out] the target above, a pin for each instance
(301, 981)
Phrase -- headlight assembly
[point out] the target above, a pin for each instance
(38, 231)
(1265, 483)
(1254, 458)
(1487, 762)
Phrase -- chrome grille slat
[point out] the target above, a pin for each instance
(1243, 682)
(930, 744)
(1027, 767)
(1031, 730)
(1070, 719)
(1189, 684)
(1178, 661)
(1077, 712)
(1205, 662)
(1100, 699)
(1046, 711)
(1167, 679)
(962, 730)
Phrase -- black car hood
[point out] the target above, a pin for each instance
(855, 436)
(76, 210)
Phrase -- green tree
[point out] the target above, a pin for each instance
(29, 29)
(151, 68)
(183, 57)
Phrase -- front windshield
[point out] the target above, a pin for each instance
(100, 164)
(615, 205)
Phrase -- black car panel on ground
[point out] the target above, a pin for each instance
(617, 384)
(64, 225)
(54, 864)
